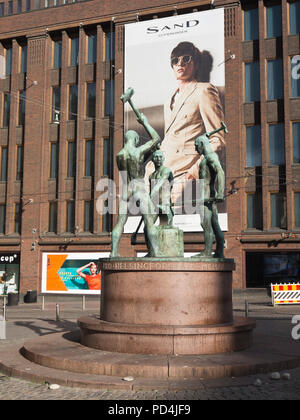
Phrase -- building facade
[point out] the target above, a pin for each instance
(61, 126)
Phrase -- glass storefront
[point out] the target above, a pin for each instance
(264, 268)
(9, 272)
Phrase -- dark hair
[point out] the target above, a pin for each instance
(203, 61)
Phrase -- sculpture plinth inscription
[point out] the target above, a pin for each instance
(179, 265)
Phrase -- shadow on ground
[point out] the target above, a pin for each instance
(51, 326)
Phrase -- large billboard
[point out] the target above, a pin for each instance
(72, 273)
(176, 66)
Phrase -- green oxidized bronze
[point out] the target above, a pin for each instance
(131, 164)
(212, 174)
(161, 183)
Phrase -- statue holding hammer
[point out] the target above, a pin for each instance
(131, 164)
(212, 174)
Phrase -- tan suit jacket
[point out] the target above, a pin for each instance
(196, 111)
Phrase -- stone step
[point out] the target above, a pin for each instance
(60, 358)
(13, 364)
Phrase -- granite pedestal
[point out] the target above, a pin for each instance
(166, 306)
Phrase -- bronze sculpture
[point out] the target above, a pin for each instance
(130, 161)
(161, 183)
(212, 174)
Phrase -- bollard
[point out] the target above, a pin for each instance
(246, 308)
(57, 312)
(2, 328)
(3, 323)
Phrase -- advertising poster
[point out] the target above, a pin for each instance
(158, 52)
(72, 273)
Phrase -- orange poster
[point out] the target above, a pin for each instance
(72, 273)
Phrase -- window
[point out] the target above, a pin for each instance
(70, 216)
(264, 268)
(8, 61)
(109, 84)
(297, 208)
(74, 51)
(295, 18)
(110, 46)
(252, 82)
(88, 216)
(278, 211)
(3, 173)
(276, 144)
(274, 22)
(19, 6)
(10, 8)
(1, 9)
(24, 59)
(17, 219)
(109, 98)
(6, 110)
(52, 217)
(37, 4)
(28, 5)
(254, 211)
(2, 218)
(295, 77)
(55, 102)
(53, 160)
(73, 102)
(251, 25)
(275, 79)
(253, 139)
(296, 142)
(92, 48)
(19, 174)
(71, 159)
(89, 157)
(22, 107)
(106, 221)
(57, 54)
(107, 167)
(91, 100)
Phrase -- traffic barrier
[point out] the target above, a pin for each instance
(285, 294)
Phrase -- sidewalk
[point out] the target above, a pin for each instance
(29, 321)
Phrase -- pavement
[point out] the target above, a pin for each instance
(29, 321)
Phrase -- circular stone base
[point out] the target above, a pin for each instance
(167, 291)
(166, 306)
(167, 340)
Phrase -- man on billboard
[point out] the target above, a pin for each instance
(177, 65)
(193, 109)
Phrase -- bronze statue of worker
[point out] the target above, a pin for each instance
(212, 174)
(161, 184)
(131, 163)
